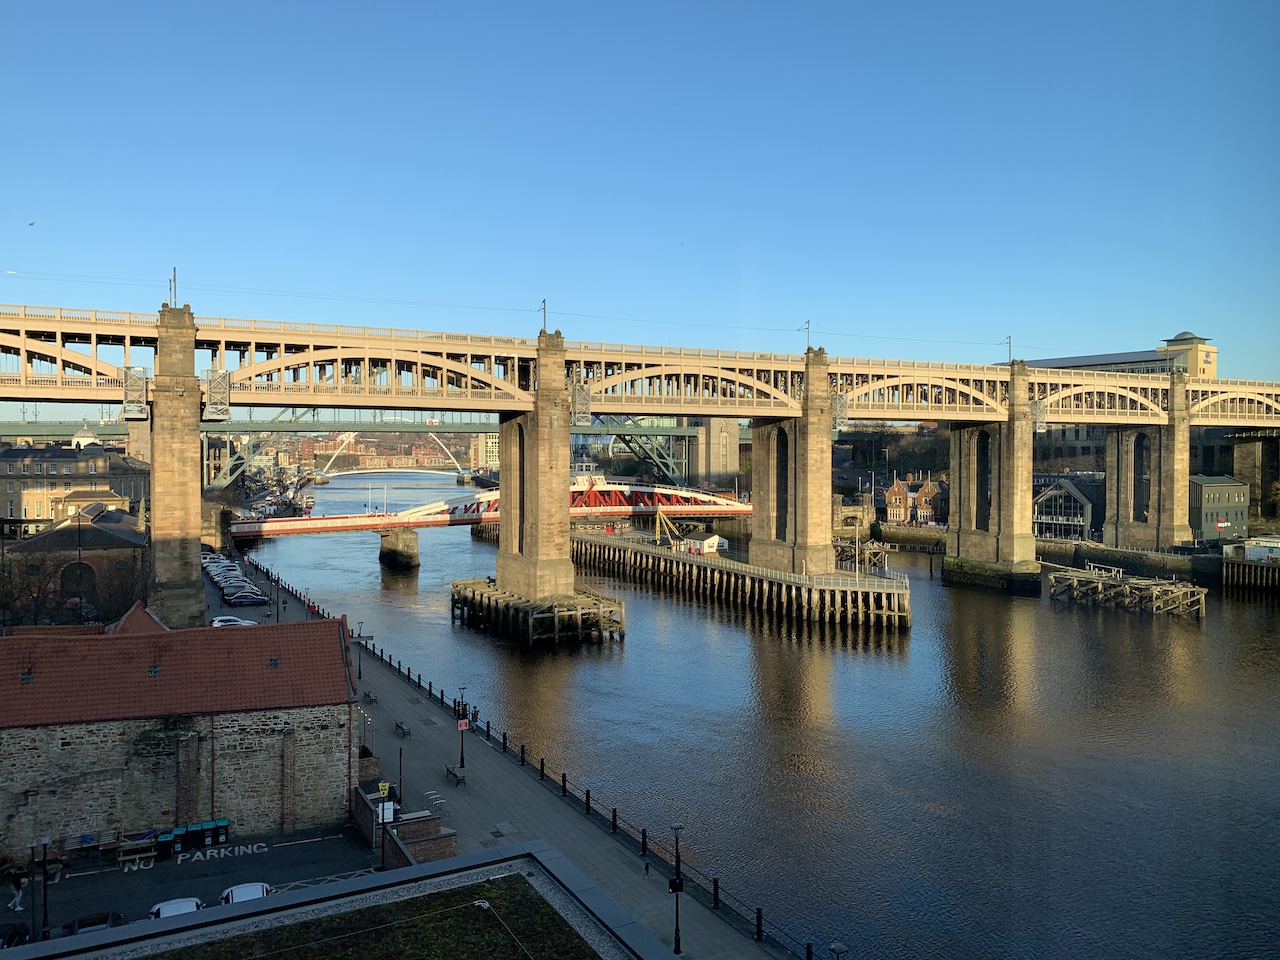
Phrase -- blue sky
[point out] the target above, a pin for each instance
(915, 180)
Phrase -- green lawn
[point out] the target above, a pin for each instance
(439, 925)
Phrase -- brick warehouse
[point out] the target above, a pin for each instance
(146, 728)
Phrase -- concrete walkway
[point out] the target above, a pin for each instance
(500, 804)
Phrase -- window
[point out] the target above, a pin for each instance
(93, 484)
(66, 484)
(25, 485)
(39, 505)
(39, 469)
(66, 468)
(38, 485)
(25, 467)
(11, 486)
(93, 468)
(11, 468)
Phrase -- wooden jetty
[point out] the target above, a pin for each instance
(846, 597)
(864, 554)
(1111, 587)
(585, 616)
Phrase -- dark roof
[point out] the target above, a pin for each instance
(97, 530)
(1098, 359)
(72, 679)
(1187, 335)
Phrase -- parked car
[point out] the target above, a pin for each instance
(172, 908)
(93, 922)
(229, 621)
(245, 891)
(246, 599)
(13, 934)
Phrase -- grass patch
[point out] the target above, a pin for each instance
(440, 925)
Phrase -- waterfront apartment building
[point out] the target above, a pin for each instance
(1219, 508)
(44, 484)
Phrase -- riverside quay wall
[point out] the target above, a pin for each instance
(847, 598)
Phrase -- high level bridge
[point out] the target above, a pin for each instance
(540, 387)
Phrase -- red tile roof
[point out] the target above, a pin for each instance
(138, 619)
(74, 679)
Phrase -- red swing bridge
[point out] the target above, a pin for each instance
(593, 497)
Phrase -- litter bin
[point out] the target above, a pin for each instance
(164, 846)
(179, 839)
(221, 829)
(207, 830)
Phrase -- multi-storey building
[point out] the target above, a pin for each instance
(49, 483)
(1219, 508)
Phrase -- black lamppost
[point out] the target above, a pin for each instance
(462, 735)
(43, 843)
(677, 885)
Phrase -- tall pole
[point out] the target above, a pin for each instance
(462, 735)
(677, 885)
(44, 886)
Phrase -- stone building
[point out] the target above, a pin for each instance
(1218, 508)
(97, 557)
(145, 728)
(916, 501)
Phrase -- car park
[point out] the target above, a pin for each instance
(245, 891)
(229, 621)
(175, 907)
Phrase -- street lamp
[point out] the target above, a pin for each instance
(43, 844)
(462, 734)
(677, 885)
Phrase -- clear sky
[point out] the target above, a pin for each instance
(916, 180)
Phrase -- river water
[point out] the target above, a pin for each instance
(1008, 778)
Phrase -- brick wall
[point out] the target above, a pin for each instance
(132, 775)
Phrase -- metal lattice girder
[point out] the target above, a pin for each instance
(654, 451)
(135, 393)
(218, 397)
(839, 408)
(580, 409)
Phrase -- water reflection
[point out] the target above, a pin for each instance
(1007, 779)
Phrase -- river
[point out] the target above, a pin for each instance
(1008, 778)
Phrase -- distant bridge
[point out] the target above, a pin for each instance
(593, 497)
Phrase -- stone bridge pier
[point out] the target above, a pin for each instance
(1147, 480)
(989, 536)
(791, 482)
(534, 559)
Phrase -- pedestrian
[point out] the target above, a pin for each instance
(16, 902)
(646, 869)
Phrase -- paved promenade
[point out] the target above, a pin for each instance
(500, 803)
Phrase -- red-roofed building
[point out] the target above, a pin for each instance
(144, 727)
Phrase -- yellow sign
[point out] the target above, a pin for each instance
(384, 787)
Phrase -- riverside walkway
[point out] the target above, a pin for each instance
(502, 803)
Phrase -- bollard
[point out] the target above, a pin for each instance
(759, 923)
(442, 696)
(504, 741)
(487, 733)
(808, 951)
(564, 784)
(522, 754)
(715, 893)
(430, 691)
(542, 768)
(587, 810)
(644, 841)
(614, 828)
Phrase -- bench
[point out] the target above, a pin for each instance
(370, 697)
(403, 730)
(93, 844)
(459, 778)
